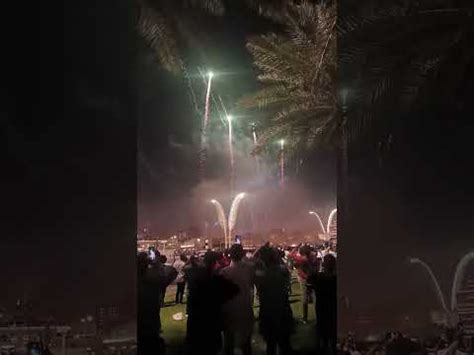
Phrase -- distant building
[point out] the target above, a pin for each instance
(107, 317)
(17, 338)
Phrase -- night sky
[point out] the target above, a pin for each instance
(69, 181)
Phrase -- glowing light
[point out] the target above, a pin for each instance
(282, 162)
(254, 135)
(319, 219)
(228, 225)
(205, 123)
(231, 155)
(459, 277)
(210, 74)
(434, 280)
(221, 218)
(331, 217)
(234, 210)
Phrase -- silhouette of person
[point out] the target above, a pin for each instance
(169, 275)
(275, 316)
(149, 280)
(208, 291)
(325, 285)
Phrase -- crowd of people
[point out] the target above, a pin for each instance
(220, 297)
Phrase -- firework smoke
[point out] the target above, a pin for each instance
(231, 156)
(205, 122)
(282, 162)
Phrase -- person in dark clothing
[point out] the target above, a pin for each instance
(325, 285)
(275, 317)
(149, 280)
(208, 291)
(169, 275)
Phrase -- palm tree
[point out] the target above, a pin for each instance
(159, 24)
(389, 61)
(397, 57)
(297, 73)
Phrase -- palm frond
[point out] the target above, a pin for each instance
(297, 71)
(153, 27)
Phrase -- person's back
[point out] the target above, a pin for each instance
(275, 315)
(149, 282)
(272, 287)
(238, 312)
(207, 292)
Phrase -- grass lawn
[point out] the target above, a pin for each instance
(174, 332)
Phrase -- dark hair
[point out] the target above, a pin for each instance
(163, 259)
(183, 257)
(305, 250)
(269, 256)
(210, 259)
(193, 260)
(236, 252)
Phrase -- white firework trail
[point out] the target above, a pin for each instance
(255, 142)
(439, 293)
(330, 219)
(231, 155)
(205, 123)
(282, 162)
(319, 220)
(221, 218)
(234, 210)
(459, 277)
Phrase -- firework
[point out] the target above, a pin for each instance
(459, 276)
(234, 210)
(221, 218)
(205, 123)
(319, 219)
(330, 219)
(231, 155)
(282, 162)
(434, 280)
(254, 135)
